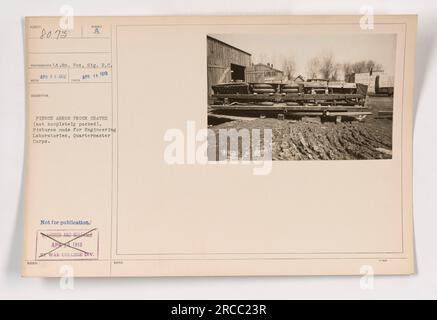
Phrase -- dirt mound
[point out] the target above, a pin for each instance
(312, 140)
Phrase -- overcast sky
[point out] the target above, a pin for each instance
(345, 48)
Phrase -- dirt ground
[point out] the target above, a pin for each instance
(310, 139)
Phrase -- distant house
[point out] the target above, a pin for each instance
(367, 78)
(262, 73)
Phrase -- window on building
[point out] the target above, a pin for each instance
(237, 72)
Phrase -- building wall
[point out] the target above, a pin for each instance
(367, 79)
(220, 56)
(262, 73)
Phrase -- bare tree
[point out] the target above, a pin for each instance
(289, 67)
(348, 71)
(313, 67)
(372, 65)
(360, 67)
(366, 66)
(335, 73)
(323, 66)
(328, 68)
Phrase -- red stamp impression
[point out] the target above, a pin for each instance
(67, 244)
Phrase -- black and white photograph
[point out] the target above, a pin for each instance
(324, 96)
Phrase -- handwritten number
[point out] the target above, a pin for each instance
(56, 34)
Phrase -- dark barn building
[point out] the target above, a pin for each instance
(226, 63)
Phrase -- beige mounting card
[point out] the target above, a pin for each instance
(219, 146)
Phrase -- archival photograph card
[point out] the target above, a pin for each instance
(219, 146)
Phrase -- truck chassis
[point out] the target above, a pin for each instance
(292, 105)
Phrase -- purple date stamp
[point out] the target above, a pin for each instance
(67, 244)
